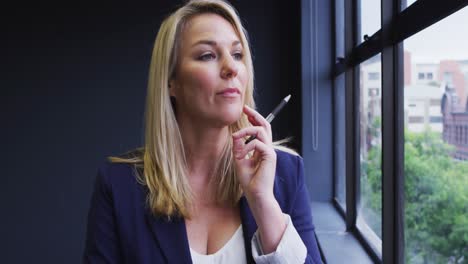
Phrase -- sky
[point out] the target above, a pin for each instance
(447, 39)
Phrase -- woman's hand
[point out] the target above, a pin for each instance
(257, 176)
(256, 173)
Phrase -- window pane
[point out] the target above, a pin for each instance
(340, 139)
(339, 129)
(436, 143)
(370, 17)
(370, 209)
(410, 2)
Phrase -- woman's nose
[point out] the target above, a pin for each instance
(229, 68)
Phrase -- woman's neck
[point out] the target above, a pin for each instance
(203, 147)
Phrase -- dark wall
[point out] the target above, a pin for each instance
(317, 100)
(73, 84)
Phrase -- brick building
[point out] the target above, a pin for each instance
(455, 123)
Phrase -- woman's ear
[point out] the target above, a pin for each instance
(171, 87)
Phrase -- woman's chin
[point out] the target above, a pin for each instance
(230, 121)
(229, 118)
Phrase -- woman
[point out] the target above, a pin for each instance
(196, 192)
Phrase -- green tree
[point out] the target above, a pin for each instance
(436, 199)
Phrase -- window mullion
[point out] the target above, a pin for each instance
(351, 116)
(392, 141)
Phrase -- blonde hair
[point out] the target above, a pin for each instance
(160, 165)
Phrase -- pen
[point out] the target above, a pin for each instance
(272, 115)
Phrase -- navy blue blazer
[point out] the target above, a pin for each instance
(122, 229)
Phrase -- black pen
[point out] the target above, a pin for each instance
(272, 115)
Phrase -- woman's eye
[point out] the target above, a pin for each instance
(238, 55)
(207, 57)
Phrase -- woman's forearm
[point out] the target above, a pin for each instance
(270, 221)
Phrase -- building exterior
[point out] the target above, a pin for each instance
(436, 99)
(454, 74)
(422, 108)
(425, 73)
(455, 123)
(370, 103)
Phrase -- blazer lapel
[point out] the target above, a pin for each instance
(249, 226)
(171, 236)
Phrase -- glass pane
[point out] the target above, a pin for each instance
(436, 143)
(370, 17)
(339, 113)
(370, 209)
(340, 141)
(410, 2)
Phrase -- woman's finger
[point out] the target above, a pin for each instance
(256, 118)
(241, 150)
(258, 132)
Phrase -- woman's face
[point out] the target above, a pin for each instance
(211, 76)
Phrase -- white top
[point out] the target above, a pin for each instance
(291, 249)
(232, 252)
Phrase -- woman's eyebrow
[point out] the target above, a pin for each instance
(205, 42)
(236, 42)
(213, 43)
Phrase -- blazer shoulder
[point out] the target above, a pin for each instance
(288, 159)
(289, 178)
(113, 171)
(115, 175)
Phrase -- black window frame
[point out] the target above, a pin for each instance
(398, 23)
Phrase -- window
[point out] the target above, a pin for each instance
(451, 134)
(434, 102)
(373, 92)
(435, 167)
(373, 76)
(370, 18)
(383, 184)
(460, 134)
(463, 137)
(340, 139)
(435, 119)
(416, 119)
(466, 135)
(448, 78)
(370, 210)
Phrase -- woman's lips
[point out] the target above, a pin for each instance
(230, 92)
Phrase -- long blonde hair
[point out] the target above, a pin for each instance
(160, 165)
